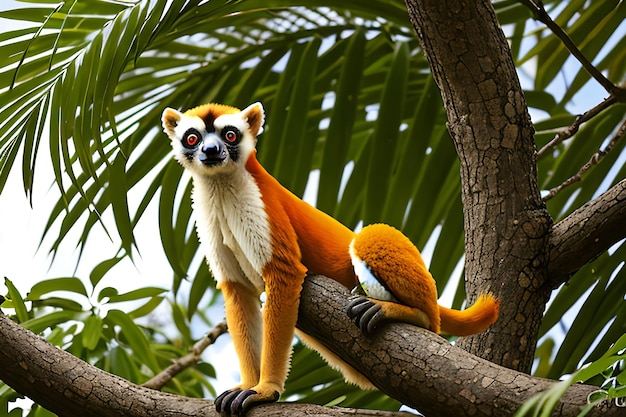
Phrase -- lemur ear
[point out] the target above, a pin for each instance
(170, 119)
(255, 116)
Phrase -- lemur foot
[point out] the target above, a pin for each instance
(223, 401)
(366, 314)
(237, 402)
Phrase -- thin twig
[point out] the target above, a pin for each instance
(184, 362)
(595, 158)
(571, 130)
(619, 93)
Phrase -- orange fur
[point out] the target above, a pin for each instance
(395, 261)
(271, 244)
(398, 265)
(482, 314)
(211, 110)
(283, 276)
(323, 241)
(243, 303)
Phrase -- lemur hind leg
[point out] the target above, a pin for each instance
(395, 279)
(370, 314)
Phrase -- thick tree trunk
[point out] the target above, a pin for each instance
(506, 223)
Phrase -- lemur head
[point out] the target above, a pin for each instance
(213, 138)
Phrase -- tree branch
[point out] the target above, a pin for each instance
(540, 13)
(572, 129)
(417, 367)
(506, 222)
(423, 370)
(594, 160)
(586, 233)
(69, 387)
(190, 359)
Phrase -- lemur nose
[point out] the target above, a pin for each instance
(211, 147)
(213, 151)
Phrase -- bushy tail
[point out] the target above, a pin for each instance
(473, 320)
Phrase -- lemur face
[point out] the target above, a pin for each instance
(213, 138)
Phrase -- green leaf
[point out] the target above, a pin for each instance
(8, 152)
(271, 144)
(293, 171)
(169, 186)
(107, 292)
(181, 323)
(39, 324)
(145, 309)
(146, 292)
(540, 100)
(199, 286)
(17, 302)
(386, 134)
(411, 156)
(341, 123)
(348, 209)
(257, 76)
(92, 332)
(59, 303)
(102, 269)
(32, 14)
(134, 337)
(542, 404)
(125, 364)
(118, 189)
(71, 284)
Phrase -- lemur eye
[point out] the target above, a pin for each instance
(191, 138)
(231, 134)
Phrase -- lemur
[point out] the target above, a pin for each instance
(259, 237)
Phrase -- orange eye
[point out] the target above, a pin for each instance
(230, 136)
(191, 138)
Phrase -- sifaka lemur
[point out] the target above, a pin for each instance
(259, 237)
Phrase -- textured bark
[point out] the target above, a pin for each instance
(423, 370)
(413, 365)
(506, 223)
(70, 387)
(586, 233)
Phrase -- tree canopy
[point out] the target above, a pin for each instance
(352, 101)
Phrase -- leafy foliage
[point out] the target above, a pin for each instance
(348, 96)
(606, 370)
(107, 333)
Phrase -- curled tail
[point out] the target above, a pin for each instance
(472, 320)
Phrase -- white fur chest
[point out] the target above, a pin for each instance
(233, 226)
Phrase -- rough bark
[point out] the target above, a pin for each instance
(586, 233)
(423, 370)
(70, 387)
(415, 366)
(506, 223)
